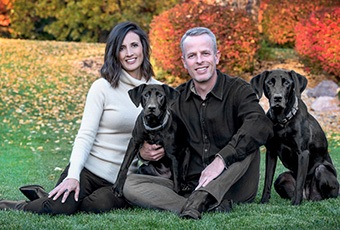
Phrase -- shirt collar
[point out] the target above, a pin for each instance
(217, 90)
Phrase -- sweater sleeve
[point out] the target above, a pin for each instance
(93, 110)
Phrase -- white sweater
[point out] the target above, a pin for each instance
(106, 127)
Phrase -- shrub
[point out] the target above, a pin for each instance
(74, 20)
(318, 38)
(236, 35)
(281, 16)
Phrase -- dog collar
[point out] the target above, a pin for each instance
(291, 113)
(165, 120)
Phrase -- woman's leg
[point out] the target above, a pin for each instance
(102, 200)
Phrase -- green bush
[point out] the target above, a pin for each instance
(73, 20)
(236, 35)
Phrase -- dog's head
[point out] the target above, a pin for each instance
(155, 99)
(279, 86)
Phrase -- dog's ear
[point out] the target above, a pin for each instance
(171, 93)
(300, 82)
(257, 83)
(136, 94)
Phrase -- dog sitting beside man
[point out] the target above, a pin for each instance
(298, 141)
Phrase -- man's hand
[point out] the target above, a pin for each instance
(65, 188)
(213, 170)
(151, 152)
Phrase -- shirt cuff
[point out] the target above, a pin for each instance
(218, 155)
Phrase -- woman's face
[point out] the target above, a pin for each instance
(131, 54)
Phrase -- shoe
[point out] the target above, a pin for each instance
(33, 192)
(11, 204)
(224, 206)
(196, 204)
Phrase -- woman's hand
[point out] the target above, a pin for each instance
(65, 188)
(151, 152)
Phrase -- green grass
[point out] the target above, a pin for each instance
(43, 88)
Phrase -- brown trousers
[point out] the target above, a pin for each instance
(239, 182)
(95, 196)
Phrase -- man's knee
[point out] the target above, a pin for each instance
(131, 184)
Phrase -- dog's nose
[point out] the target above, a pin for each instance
(152, 107)
(277, 98)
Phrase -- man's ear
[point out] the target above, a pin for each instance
(217, 57)
(136, 94)
(184, 62)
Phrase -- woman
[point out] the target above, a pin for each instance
(107, 123)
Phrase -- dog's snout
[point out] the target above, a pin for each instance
(277, 97)
(152, 107)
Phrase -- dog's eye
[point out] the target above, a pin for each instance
(270, 83)
(147, 95)
(285, 82)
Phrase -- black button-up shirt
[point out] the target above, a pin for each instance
(229, 122)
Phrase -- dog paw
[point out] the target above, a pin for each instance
(264, 201)
(118, 192)
(296, 201)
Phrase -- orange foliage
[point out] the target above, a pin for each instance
(236, 36)
(281, 16)
(318, 38)
(5, 8)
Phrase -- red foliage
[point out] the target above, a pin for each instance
(318, 38)
(281, 16)
(236, 35)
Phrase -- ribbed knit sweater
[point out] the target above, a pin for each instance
(108, 119)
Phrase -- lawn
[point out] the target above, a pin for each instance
(43, 86)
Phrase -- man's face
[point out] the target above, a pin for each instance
(199, 57)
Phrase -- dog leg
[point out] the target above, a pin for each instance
(175, 173)
(129, 156)
(271, 160)
(303, 161)
(327, 182)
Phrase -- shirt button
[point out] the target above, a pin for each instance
(203, 104)
(205, 150)
(205, 137)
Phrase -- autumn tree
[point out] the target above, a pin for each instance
(235, 31)
(86, 20)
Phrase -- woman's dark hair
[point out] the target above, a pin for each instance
(112, 67)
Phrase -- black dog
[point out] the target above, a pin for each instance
(298, 141)
(156, 124)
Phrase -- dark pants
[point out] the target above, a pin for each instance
(95, 195)
(238, 183)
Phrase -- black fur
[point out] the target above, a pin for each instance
(298, 141)
(155, 100)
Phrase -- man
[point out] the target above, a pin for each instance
(225, 125)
